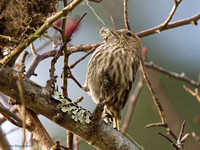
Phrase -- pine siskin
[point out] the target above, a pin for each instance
(115, 63)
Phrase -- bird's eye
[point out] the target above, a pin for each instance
(128, 33)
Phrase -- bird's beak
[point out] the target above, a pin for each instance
(116, 33)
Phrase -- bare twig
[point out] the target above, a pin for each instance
(53, 77)
(12, 110)
(65, 71)
(10, 116)
(83, 48)
(195, 93)
(73, 78)
(134, 96)
(155, 98)
(22, 66)
(160, 124)
(195, 136)
(172, 143)
(175, 75)
(132, 102)
(78, 100)
(192, 20)
(82, 58)
(126, 22)
(179, 141)
(37, 59)
(176, 3)
(21, 95)
(76, 26)
(157, 103)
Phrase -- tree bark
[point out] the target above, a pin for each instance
(38, 99)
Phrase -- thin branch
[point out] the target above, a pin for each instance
(13, 111)
(21, 95)
(157, 103)
(70, 75)
(82, 58)
(195, 136)
(37, 59)
(126, 22)
(70, 136)
(192, 20)
(132, 102)
(134, 96)
(172, 143)
(10, 116)
(160, 124)
(83, 48)
(176, 3)
(22, 66)
(195, 93)
(155, 98)
(175, 75)
(179, 142)
(78, 100)
(50, 83)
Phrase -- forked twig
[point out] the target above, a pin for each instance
(195, 93)
(176, 3)
(192, 20)
(172, 143)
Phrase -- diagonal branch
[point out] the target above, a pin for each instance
(97, 134)
(192, 20)
(15, 53)
(172, 74)
(176, 3)
(155, 98)
(157, 103)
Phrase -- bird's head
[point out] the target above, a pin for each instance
(127, 39)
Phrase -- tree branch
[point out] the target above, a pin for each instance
(192, 20)
(15, 53)
(126, 22)
(39, 100)
(176, 3)
(172, 74)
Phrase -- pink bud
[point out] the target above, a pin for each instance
(57, 23)
(144, 50)
(70, 24)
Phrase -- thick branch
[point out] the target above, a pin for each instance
(97, 133)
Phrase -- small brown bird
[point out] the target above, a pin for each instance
(114, 64)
